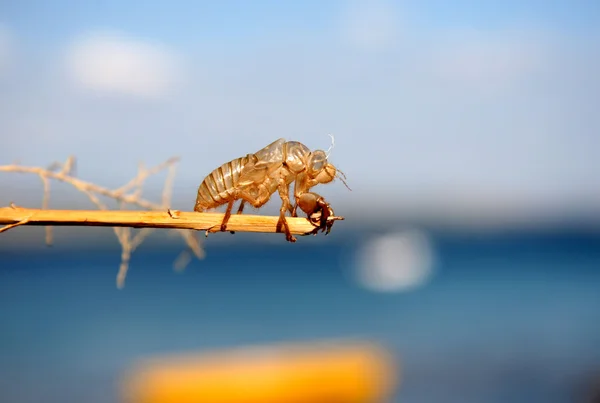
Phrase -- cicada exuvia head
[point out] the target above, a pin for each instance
(320, 169)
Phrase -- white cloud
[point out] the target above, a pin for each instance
(369, 25)
(112, 63)
(395, 261)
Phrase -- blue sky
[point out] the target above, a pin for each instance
(439, 105)
(184, 22)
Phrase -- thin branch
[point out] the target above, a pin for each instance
(207, 222)
(123, 221)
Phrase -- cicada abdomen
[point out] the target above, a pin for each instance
(219, 186)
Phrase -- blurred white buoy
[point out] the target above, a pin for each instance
(395, 262)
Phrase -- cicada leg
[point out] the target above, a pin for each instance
(227, 215)
(257, 198)
(240, 209)
(286, 205)
(317, 210)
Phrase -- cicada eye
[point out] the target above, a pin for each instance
(318, 160)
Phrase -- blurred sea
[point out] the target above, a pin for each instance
(509, 317)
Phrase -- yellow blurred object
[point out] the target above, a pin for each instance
(341, 372)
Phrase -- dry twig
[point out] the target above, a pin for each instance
(174, 219)
(129, 194)
(123, 222)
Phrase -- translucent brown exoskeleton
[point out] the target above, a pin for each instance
(255, 177)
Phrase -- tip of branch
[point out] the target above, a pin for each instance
(335, 218)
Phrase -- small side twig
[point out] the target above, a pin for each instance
(9, 226)
(128, 194)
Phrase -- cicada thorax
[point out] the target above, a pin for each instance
(295, 156)
(218, 186)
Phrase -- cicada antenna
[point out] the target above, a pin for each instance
(342, 177)
(339, 173)
(328, 152)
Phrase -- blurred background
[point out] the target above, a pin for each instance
(468, 132)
